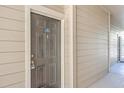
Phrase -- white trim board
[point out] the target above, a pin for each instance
(46, 12)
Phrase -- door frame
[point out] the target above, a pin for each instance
(49, 13)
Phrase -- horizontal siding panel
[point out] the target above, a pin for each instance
(11, 68)
(11, 46)
(12, 35)
(11, 79)
(91, 46)
(92, 52)
(18, 85)
(92, 25)
(90, 28)
(90, 40)
(97, 27)
(87, 82)
(96, 64)
(11, 25)
(85, 59)
(93, 11)
(12, 57)
(92, 17)
(93, 74)
(16, 7)
(91, 20)
(83, 33)
(11, 13)
(58, 8)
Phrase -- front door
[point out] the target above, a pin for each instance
(45, 52)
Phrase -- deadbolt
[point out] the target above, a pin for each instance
(32, 55)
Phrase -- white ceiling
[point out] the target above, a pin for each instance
(117, 14)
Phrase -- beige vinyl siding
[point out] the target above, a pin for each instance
(92, 44)
(16, 7)
(11, 24)
(10, 57)
(113, 44)
(12, 35)
(16, 78)
(12, 46)
(17, 85)
(8, 12)
(58, 8)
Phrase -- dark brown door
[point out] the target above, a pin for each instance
(45, 51)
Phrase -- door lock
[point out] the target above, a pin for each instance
(32, 65)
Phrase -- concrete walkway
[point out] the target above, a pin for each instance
(114, 79)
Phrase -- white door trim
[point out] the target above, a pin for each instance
(50, 13)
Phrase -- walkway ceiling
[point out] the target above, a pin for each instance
(117, 15)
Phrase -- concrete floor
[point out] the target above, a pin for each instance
(114, 79)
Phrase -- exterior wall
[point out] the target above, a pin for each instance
(12, 46)
(92, 44)
(113, 44)
(58, 8)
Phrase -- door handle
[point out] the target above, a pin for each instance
(32, 55)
